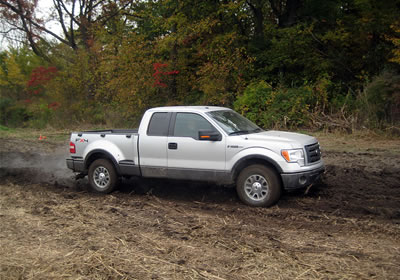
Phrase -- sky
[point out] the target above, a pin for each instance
(44, 11)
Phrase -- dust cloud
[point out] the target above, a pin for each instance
(39, 167)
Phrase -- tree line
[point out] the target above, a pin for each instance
(282, 63)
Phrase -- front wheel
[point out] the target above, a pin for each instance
(259, 186)
(102, 176)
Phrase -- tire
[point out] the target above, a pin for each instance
(258, 186)
(102, 176)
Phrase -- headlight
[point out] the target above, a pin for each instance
(295, 155)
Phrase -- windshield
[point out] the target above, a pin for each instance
(233, 123)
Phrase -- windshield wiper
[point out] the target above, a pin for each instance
(239, 132)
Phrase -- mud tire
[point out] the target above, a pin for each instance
(258, 186)
(102, 176)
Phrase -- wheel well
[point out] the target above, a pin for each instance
(245, 163)
(98, 155)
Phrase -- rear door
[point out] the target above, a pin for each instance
(153, 146)
(189, 157)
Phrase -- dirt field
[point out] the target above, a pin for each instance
(52, 227)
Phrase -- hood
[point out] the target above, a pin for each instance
(296, 140)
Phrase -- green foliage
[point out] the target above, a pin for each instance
(4, 128)
(312, 60)
(395, 39)
(12, 114)
(5, 104)
(292, 57)
(41, 115)
(271, 108)
(380, 101)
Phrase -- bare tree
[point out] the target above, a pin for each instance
(77, 19)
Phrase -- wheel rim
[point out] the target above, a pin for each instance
(256, 187)
(101, 177)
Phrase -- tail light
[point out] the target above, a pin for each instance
(72, 148)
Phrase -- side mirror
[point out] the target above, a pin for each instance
(209, 135)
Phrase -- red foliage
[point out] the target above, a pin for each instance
(27, 101)
(90, 42)
(54, 105)
(39, 77)
(158, 73)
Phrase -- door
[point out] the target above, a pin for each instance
(188, 156)
(153, 146)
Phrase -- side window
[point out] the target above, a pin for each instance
(188, 125)
(158, 125)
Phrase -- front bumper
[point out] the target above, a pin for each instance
(76, 165)
(292, 181)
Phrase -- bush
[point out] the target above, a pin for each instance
(281, 107)
(12, 114)
(379, 103)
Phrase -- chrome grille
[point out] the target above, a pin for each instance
(313, 153)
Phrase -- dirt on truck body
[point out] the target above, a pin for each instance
(52, 227)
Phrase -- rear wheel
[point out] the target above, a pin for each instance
(258, 185)
(102, 176)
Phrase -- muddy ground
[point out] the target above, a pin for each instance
(53, 227)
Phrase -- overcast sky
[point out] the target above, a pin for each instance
(44, 11)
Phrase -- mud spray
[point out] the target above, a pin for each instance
(31, 167)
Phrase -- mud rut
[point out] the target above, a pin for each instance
(348, 226)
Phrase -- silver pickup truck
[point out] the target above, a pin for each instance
(199, 143)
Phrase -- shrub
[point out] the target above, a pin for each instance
(41, 115)
(281, 107)
(12, 114)
(379, 103)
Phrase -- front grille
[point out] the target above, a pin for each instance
(313, 153)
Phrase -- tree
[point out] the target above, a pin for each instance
(77, 19)
(20, 16)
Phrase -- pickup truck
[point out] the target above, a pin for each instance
(199, 143)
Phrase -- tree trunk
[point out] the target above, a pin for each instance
(256, 8)
(289, 17)
(174, 59)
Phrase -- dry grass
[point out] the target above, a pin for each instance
(359, 141)
(62, 234)
(347, 228)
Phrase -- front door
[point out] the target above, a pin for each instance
(189, 157)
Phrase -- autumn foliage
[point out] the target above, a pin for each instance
(159, 74)
(39, 77)
(286, 63)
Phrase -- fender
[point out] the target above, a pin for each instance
(106, 154)
(260, 157)
(258, 154)
(106, 147)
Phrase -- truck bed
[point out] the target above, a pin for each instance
(109, 131)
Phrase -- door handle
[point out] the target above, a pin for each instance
(173, 146)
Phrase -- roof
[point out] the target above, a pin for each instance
(189, 108)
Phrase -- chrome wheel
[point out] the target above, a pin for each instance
(101, 177)
(256, 187)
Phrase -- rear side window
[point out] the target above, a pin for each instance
(158, 125)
